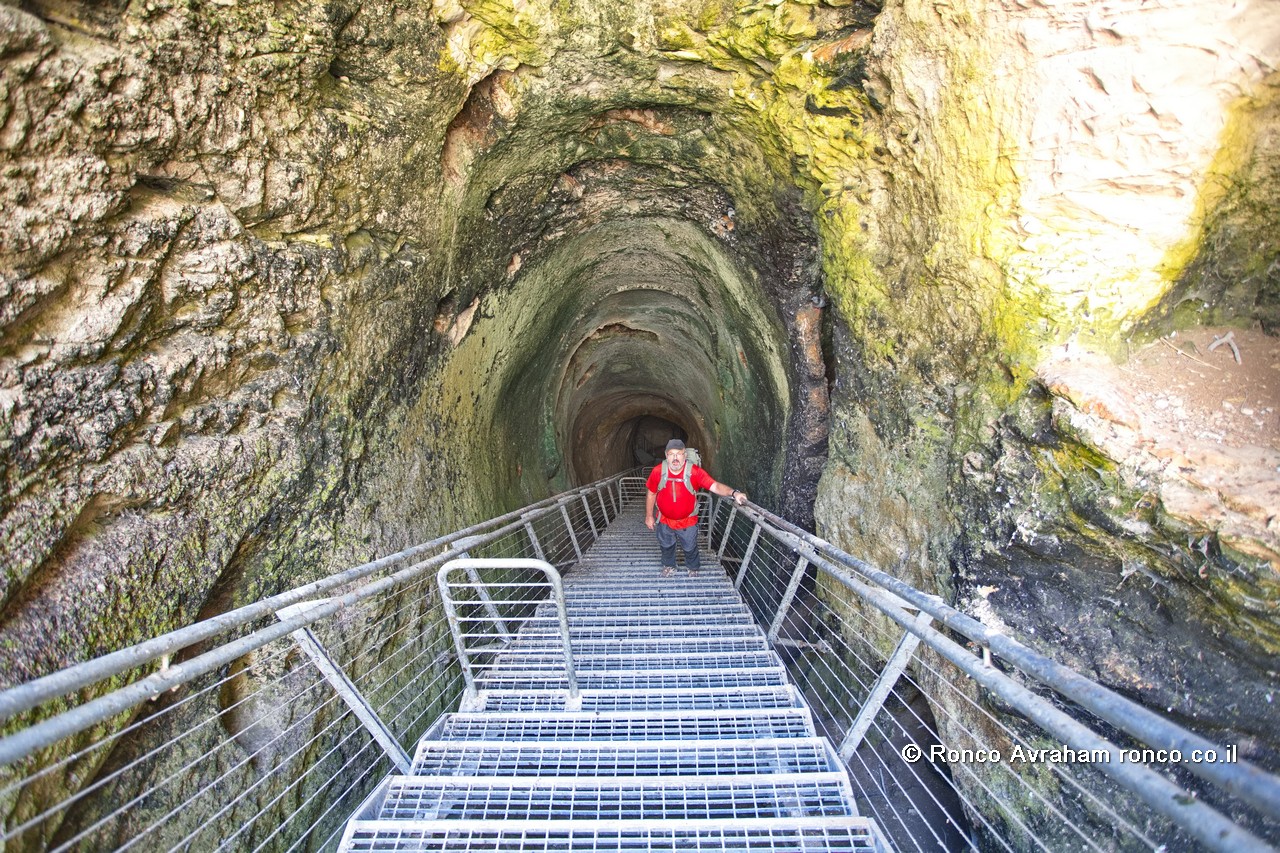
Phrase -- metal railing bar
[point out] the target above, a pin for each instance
(331, 700)
(586, 509)
(728, 529)
(456, 687)
(435, 655)
(923, 784)
(958, 722)
(747, 554)
(110, 739)
(351, 696)
(89, 749)
(890, 800)
(46, 732)
(893, 669)
(604, 510)
(333, 803)
(470, 565)
(330, 840)
(208, 786)
(281, 793)
(800, 543)
(568, 526)
(780, 614)
(24, 697)
(389, 677)
(1058, 769)
(1242, 779)
(410, 685)
(1200, 820)
(371, 649)
(819, 701)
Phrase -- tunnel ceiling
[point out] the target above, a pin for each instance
(636, 317)
(649, 262)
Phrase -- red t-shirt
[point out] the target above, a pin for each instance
(675, 502)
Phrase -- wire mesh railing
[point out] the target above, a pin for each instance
(957, 737)
(251, 731)
(232, 734)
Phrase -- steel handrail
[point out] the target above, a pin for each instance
(552, 575)
(24, 697)
(1242, 779)
(46, 732)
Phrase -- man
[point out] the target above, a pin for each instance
(673, 486)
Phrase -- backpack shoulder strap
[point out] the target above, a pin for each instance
(686, 479)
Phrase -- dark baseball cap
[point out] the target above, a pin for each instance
(675, 444)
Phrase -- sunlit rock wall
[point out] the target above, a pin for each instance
(1083, 172)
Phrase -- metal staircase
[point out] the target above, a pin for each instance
(612, 711)
(670, 725)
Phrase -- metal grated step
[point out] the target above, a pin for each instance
(646, 645)
(642, 798)
(654, 758)
(643, 700)
(651, 725)
(610, 598)
(799, 835)
(641, 680)
(640, 630)
(684, 733)
(641, 619)
(527, 659)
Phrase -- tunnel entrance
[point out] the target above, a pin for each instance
(649, 437)
(614, 341)
(621, 429)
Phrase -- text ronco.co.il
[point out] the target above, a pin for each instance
(1067, 755)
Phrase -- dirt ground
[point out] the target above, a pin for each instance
(1181, 387)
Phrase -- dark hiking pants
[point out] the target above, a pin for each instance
(688, 539)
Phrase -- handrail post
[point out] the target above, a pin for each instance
(533, 539)
(893, 670)
(709, 515)
(347, 690)
(746, 557)
(796, 576)
(728, 526)
(586, 507)
(571, 675)
(568, 525)
(604, 510)
(470, 566)
(489, 606)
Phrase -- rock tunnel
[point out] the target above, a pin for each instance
(287, 286)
